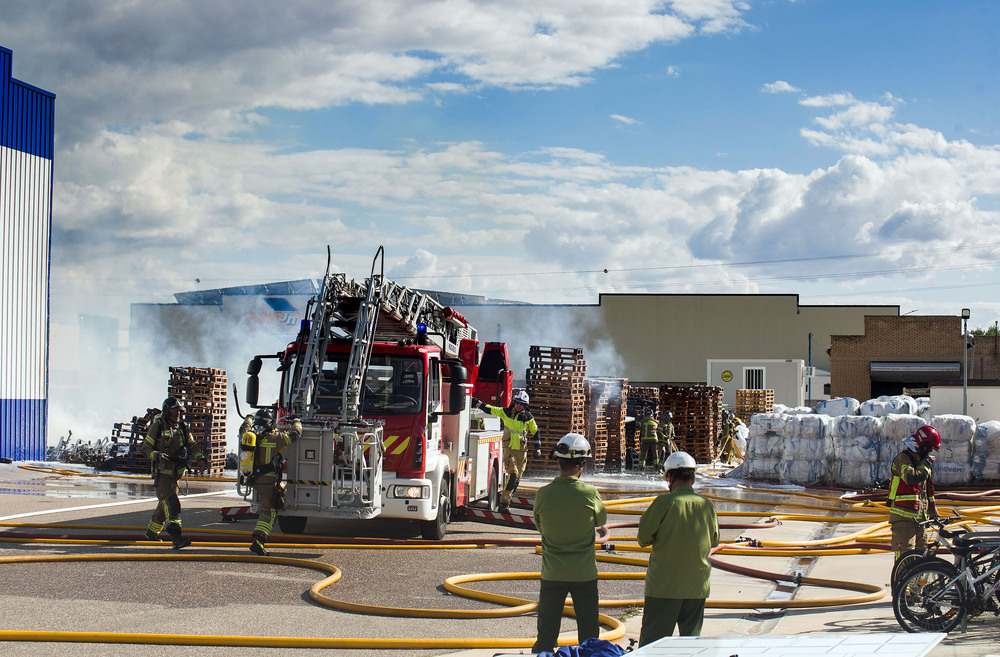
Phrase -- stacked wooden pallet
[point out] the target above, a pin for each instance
(202, 390)
(127, 438)
(606, 420)
(749, 402)
(555, 386)
(697, 413)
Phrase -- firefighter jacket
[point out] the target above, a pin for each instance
(649, 429)
(516, 429)
(911, 491)
(682, 528)
(270, 446)
(667, 432)
(566, 512)
(162, 438)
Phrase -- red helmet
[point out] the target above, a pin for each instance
(928, 437)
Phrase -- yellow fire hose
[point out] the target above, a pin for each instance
(859, 513)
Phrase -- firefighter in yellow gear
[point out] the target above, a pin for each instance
(667, 436)
(518, 426)
(911, 490)
(169, 447)
(266, 475)
(649, 439)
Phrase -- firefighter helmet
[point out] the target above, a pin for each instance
(928, 437)
(172, 404)
(522, 397)
(263, 417)
(572, 446)
(679, 460)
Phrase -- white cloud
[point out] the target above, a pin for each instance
(780, 87)
(625, 119)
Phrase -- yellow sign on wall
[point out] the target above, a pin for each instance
(727, 376)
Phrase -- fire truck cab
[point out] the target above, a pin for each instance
(387, 423)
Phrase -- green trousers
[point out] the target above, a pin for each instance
(661, 615)
(552, 598)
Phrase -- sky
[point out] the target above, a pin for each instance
(548, 152)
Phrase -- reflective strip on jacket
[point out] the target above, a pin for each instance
(516, 428)
(908, 489)
(168, 440)
(648, 429)
(270, 446)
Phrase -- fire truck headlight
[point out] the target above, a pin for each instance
(411, 492)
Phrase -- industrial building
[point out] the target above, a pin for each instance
(26, 149)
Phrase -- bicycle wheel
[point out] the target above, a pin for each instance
(902, 564)
(929, 597)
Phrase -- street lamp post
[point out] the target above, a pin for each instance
(965, 366)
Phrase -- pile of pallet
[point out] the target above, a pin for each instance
(697, 414)
(555, 387)
(606, 421)
(749, 402)
(202, 390)
(127, 438)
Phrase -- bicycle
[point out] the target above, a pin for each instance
(931, 547)
(933, 595)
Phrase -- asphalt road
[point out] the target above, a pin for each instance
(254, 599)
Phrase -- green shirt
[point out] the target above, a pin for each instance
(566, 512)
(682, 528)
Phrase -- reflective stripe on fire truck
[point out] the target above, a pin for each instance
(306, 482)
(392, 448)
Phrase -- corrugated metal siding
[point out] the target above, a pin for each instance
(26, 143)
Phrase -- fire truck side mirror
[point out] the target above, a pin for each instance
(253, 389)
(253, 382)
(456, 394)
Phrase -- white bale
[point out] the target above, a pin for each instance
(856, 425)
(953, 464)
(837, 406)
(807, 426)
(802, 472)
(986, 452)
(767, 423)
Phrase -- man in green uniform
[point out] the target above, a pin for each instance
(566, 512)
(649, 439)
(518, 425)
(266, 475)
(168, 446)
(682, 528)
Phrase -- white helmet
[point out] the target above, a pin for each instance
(521, 396)
(572, 446)
(679, 460)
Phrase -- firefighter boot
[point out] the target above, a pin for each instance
(257, 547)
(176, 538)
(152, 536)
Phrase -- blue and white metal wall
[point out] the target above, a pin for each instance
(27, 117)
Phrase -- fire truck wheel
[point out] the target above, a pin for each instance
(292, 524)
(493, 500)
(434, 530)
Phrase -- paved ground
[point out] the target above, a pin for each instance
(248, 599)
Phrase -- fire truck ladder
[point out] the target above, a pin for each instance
(323, 308)
(357, 474)
(409, 308)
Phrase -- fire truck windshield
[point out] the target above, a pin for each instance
(394, 385)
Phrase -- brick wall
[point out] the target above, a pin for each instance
(905, 339)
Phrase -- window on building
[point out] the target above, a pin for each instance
(753, 378)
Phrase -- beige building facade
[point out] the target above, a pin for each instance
(668, 338)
